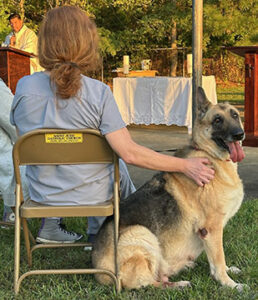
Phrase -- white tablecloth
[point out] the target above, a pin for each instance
(159, 100)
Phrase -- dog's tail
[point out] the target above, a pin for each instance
(140, 261)
(140, 258)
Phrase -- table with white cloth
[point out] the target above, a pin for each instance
(159, 100)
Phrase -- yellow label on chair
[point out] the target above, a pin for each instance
(63, 138)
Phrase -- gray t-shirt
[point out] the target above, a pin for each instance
(35, 106)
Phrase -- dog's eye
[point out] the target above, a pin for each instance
(235, 115)
(218, 120)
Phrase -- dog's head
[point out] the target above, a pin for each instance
(216, 126)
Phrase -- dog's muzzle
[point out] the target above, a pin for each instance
(238, 135)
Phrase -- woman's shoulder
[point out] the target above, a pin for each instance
(95, 90)
(35, 77)
(94, 83)
(32, 84)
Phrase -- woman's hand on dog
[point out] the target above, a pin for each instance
(196, 168)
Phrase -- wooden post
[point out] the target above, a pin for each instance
(251, 99)
(251, 92)
(197, 21)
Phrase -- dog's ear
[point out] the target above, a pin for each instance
(202, 103)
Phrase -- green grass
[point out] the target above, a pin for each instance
(240, 243)
(232, 94)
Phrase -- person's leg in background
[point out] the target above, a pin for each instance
(8, 215)
(9, 204)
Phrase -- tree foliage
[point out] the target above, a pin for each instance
(135, 26)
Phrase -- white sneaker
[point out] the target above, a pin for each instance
(51, 232)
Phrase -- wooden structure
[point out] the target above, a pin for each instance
(137, 73)
(14, 64)
(250, 53)
(197, 37)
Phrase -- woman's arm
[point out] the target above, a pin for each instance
(135, 154)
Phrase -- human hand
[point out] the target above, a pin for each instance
(197, 169)
(12, 40)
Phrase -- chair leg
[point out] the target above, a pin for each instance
(32, 239)
(17, 241)
(116, 235)
(118, 282)
(27, 234)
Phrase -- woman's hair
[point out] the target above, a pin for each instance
(67, 47)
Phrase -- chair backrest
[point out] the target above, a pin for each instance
(61, 146)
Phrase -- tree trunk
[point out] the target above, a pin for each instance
(174, 52)
(22, 9)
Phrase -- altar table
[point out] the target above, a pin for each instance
(159, 100)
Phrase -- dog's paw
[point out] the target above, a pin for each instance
(191, 264)
(240, 287)
(183, 283)
(233, 270)
(177, 285)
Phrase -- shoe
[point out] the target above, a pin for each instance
(9, 218)
(52, 232)
(91, 239)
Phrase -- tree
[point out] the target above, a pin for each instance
(229, 23)
(135, 27)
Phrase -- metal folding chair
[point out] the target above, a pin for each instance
(57, 147)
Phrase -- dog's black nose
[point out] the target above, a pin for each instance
(238, 136)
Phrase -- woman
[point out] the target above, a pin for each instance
(62, 97)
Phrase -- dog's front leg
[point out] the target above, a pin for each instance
(212, 237)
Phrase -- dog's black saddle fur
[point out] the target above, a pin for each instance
(150, 206)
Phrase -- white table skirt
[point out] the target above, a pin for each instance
(159, 100)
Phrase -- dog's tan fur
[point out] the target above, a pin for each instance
(149, 258)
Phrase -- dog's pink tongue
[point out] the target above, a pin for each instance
(236, 152)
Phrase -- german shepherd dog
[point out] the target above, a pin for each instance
(167, 223)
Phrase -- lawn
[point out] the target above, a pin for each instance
(235, 94)
(240, 243)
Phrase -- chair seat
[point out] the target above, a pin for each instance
(32, 209)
